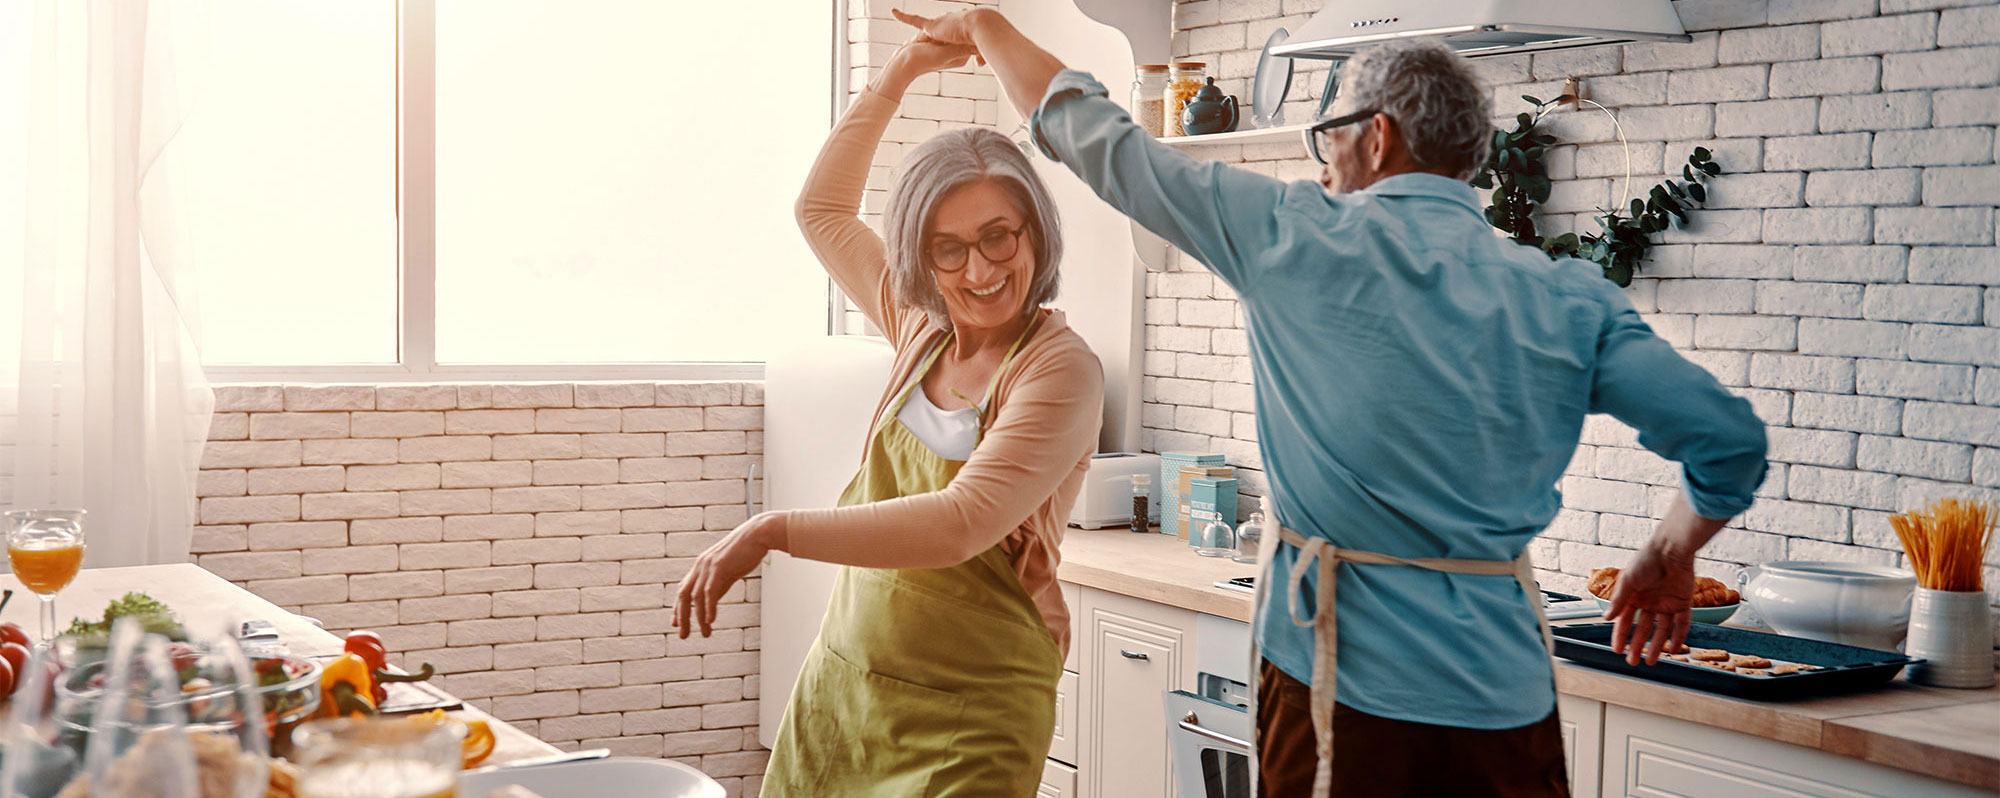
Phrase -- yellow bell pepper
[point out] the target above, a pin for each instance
(346, 688)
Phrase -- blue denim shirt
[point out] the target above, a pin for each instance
(1421, 384)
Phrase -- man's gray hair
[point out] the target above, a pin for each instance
(1443, 110)
(947, 161)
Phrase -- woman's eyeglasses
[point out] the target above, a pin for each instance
(996, 245)
(1319, 137)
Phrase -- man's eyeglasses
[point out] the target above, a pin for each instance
(996, 245)
(1319, 137)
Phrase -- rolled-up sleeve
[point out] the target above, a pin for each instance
(1223, 216)
(1681, 413)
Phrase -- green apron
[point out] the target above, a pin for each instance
(922, 682)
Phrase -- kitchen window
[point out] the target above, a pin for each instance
(505, 189)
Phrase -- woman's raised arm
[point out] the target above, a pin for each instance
(829, 205)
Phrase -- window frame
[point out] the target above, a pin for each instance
(416, 245)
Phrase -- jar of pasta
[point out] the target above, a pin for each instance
(1149, 98)
(1184, 78)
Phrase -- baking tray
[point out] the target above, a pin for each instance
(1843, 668)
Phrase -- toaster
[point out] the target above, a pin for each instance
(1106, 497)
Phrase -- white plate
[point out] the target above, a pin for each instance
(1274, 79)
(622, 777)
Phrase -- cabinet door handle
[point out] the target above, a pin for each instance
(1134, 655)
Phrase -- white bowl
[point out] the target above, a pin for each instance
(1838, 602)
(601, 778)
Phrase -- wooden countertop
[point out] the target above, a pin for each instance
(1947, 734)
(195, 593)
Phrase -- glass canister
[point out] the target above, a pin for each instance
(1215, 539)
(1184, 78)
(1248, 537)
(1149, 98)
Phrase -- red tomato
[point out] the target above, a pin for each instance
(369, 648)
(6, 679)
(13, 633)
(16, 655)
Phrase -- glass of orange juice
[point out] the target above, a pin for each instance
(407, 757)
(45, 549)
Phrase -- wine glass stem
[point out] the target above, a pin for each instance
(48, 617)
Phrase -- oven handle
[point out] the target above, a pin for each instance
(1192, 725)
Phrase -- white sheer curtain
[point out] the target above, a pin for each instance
(102, 399)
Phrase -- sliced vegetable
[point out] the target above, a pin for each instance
(479, 739)
(479, 742)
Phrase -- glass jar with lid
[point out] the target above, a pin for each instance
(1149, 98)
(1214, 539)
(1184, 78)
(1248, 537)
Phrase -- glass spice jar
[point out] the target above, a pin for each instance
(1184, 78)
(1149, 98)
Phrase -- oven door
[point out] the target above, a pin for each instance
(1210, 747)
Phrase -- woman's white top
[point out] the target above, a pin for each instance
(950, 433)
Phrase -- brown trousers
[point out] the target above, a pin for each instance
(1375, 756)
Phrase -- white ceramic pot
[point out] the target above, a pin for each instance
(1953, 632)
(1849, 603)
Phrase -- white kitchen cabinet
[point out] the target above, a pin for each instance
(1134, 651)
(1063, 747)
(1653, 756)
(1583, 743)
(1072, 596)
(1058, 781)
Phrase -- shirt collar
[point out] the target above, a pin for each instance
(1426, 184)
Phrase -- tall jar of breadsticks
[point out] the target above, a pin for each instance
(1184, 78)
(1951, 624)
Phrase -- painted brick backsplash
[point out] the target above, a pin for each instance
(1843, 277)
(522, 538)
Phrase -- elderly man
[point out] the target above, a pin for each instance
(1421, 385)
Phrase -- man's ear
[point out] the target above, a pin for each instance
(1387, 139)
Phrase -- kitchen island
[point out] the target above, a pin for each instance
(1952, 736)
(197, 594)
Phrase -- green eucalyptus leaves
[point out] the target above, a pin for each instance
(1515, 172)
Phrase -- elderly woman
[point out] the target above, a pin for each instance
(935, 668)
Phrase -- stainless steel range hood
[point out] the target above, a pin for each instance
(1478, 28)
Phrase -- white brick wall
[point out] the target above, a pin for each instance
(523, 538)
(1843, 278)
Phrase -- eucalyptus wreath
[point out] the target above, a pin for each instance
(1520, 181)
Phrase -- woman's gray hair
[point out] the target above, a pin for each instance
(947, 161)
(1443, 110)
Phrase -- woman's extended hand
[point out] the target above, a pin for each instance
(1650, 605)
(722, 566)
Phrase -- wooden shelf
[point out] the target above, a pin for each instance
(1267, 135)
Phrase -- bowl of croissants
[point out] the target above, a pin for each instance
(1713, 602)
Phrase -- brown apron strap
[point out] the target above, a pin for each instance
(1321, 554)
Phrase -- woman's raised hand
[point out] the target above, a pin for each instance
(952, 28)
(923, 54)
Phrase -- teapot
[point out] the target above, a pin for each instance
(1209, 112)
